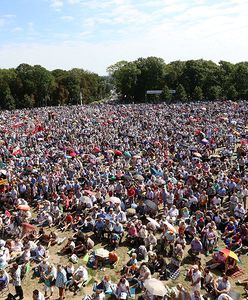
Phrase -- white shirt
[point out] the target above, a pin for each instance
(227, 297)
(195, 277)
(82, 272)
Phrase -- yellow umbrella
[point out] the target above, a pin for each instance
(229, 253)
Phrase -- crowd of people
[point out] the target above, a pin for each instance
(167, 181)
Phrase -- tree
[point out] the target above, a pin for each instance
(166, 94)
(214, 93)
(125, 75)
(6, 99)
(232, 92)
(197, 93)
(181, 94)
(150, 77)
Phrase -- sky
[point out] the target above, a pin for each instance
(93, 34)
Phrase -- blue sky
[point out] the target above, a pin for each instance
(92, 34)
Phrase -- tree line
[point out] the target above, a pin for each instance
(179, 80)
(34, 86)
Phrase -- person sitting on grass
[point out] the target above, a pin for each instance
(122, 289)
(131, 265)
(222, 285)
(79, 278)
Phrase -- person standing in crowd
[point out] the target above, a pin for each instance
(17, 282)
(61, 280)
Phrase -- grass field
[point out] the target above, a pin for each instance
(30, 283)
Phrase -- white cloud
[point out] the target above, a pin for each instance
(56, 4)
(67, 18)
(128, 29)
(17, 29)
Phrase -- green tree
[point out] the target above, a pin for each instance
(6, 99)
(181, 94)
(232, 92)
(166, 94)
(214, 93)
(197, 93)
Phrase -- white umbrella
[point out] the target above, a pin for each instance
(86, 199)
(101, 252)
(153, 221)
(155, 287)
(114, 200)
(170, 227)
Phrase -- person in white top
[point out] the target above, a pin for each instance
(38, 295)
(239, 211)
(224, 297)
(196, 279)
(173, 214)
(79, 277)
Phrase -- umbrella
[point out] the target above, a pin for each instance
(136, 156)
(205, 141)
(86, 199)
(155, 287)
(114, 200)
(127, 177)
(73, 154)
(23, 207)
(139, 177)
(153, 221)
(197, 154)
(127, 154)
(131, 212)
(118, 152)
(88, 192)
(230, 253)
(110, 151)
(101, 252)
(170, 227)
(243, 142)
(4, 172)
(28, 227)
(151, 205)
(96, 150)
(160, 181)
(214, 156)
